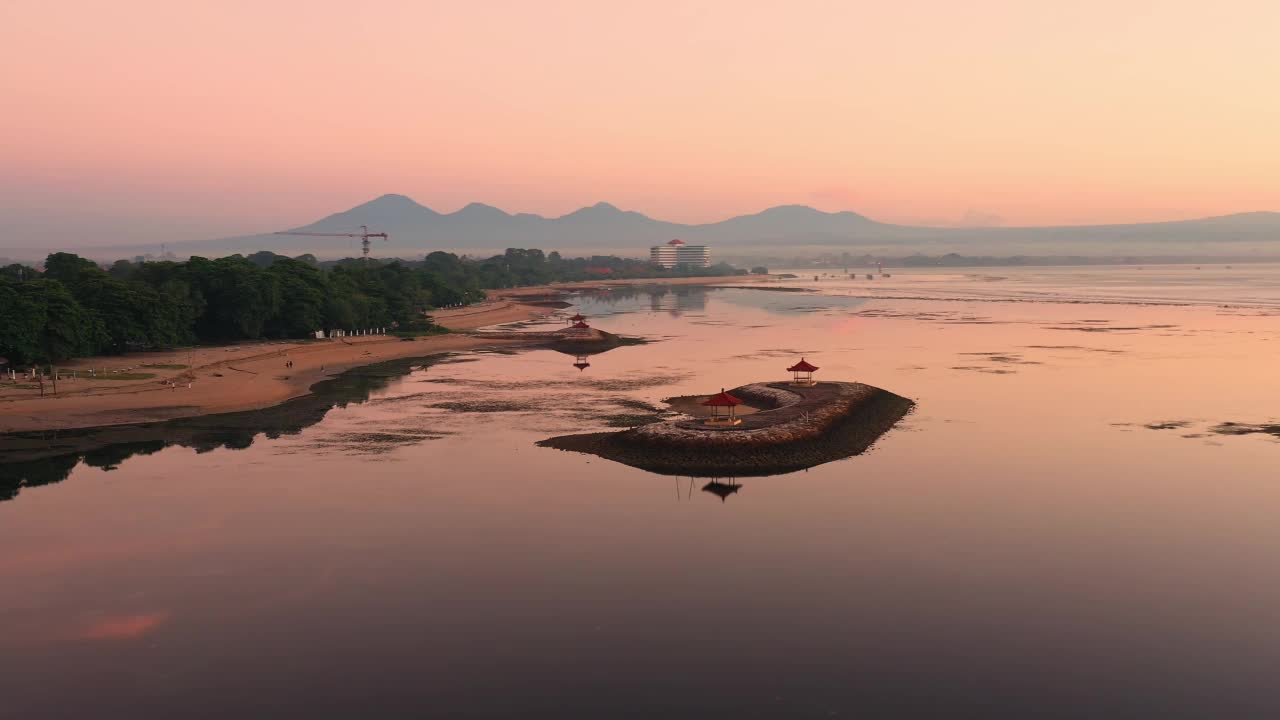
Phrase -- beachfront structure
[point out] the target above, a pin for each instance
(803, 373)
(677, 253)
(580, 362)
(723, 409)
(577, 331)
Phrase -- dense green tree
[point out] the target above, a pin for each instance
(265, 258)
(122, 270)
(17, 272)
(238, 297)
(302, 290)
(41, 322)
(68, 269)
(22, 321)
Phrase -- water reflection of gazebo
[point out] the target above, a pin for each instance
(720, 489)
(581, 355)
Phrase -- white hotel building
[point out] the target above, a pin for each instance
(677, 254)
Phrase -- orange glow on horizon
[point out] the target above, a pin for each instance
(197, 120)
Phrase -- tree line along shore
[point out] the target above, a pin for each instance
(76, 308)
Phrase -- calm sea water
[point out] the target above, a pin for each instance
(1081, 520)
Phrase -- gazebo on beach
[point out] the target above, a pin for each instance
(803, 373)
(723, 409)
(578, 318)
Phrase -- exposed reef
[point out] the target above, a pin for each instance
(798, 427)
(599, 341)
(587, 341)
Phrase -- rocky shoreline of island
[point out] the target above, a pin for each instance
(797, 427)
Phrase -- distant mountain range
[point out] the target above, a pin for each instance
(602, 226)
(416, 229)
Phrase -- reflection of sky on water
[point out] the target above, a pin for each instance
(679, 301)
(1250, 285)
(1067, 536)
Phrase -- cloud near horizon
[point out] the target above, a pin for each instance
(124, 627)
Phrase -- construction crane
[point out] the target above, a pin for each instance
(364, 236)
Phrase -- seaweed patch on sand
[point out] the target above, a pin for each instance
(1200, 429)
(485, 406)
(987, 370)
(773, 353)
(1078, 348)
(1095, 326)
(1001, 360)
(1168, 425)
(1004, 357)
(949, 317)
(1234, 428)
(371, 442)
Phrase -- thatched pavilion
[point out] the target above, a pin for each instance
(803, 373)
(723, 409)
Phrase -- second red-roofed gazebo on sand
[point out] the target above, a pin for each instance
(723, 409)
(803, 373)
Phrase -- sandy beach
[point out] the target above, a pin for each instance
(249, 376)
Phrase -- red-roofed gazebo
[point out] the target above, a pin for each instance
(803, 373)
(723, 409)
(577, 318)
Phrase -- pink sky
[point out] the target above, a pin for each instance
(149, 121)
